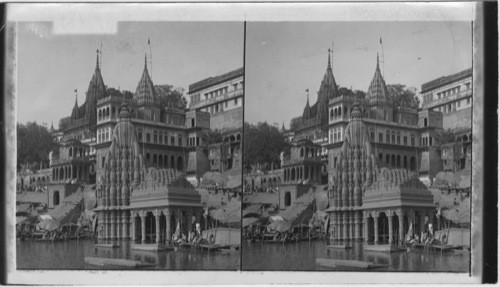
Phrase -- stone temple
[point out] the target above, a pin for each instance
(140, 202)
(371, 202)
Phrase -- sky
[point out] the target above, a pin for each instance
(51, 66)
(283, 59)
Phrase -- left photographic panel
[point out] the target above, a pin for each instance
(128, 145)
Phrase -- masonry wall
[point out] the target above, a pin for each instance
(459, 119)
(227, 120)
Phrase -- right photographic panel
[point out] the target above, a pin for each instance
(357, 146)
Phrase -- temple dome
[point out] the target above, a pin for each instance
(145, 92)
(377, 92)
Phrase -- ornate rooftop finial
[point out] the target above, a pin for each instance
(377, 62)
(97, 60)
(329, 61)
(356, 111)
(145, 62)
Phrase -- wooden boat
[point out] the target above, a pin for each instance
(338, 263)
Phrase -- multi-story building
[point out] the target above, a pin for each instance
(222, 98)
(452, 97)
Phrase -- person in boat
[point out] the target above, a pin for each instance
(184, 238)
(211, 241)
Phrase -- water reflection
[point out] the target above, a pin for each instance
(302, 256)
(70, 255)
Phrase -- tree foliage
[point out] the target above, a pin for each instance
(34, 143)
(360, 95)
(263, 144)
(170, 97)
(209, 137)
(114, 92)
(403, 96)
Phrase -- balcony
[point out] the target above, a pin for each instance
(452, 97)
(219, 98)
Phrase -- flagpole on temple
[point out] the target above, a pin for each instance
(150, 57)
(383, 58)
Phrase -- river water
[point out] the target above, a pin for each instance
(302, 256)
(70, 255)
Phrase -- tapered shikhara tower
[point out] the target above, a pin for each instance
(356, 172)
(124, 169)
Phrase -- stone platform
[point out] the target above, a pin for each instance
(382, 248)
(114, 261)
(106, 245)
(339, 246)
(151, 247)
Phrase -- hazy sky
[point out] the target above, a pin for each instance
(50, 67)
(284, 59)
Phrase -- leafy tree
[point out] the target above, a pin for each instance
(114, 92)
(170, 97)
(209, 137)
(360, 95)
(34, 142)
(403, 96)
(263, 144)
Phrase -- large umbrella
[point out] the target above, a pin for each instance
(49, 224)
(89, 200)
(253, 209)
(226, 214)
(248, 221)
(204, 195)
(277, 218)
(234, 182)
(280, 225)
(321, 197)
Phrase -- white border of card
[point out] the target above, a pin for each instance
(63, 16)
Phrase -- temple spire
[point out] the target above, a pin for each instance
(329, 61)
(97, 60)
(145, 62)
(307, 91)
(378, 68)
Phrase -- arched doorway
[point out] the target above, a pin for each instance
(383, 227)
(180, 163)
(55, 198)
(288, 198)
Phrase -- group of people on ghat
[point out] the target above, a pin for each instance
(192, 237)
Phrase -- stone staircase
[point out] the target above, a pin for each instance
(70, 208)
(301, 210)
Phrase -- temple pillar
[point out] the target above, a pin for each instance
(125, 224)
(389, 217)
(345, 224)
(333, 226)
(401, 227)
(168, 215)
(113, 224)
(365, 227)
(100, 234)
(357, 223)
(133, 226)
(375, 225)
(339, 225)
(142, 214)
(157, 225)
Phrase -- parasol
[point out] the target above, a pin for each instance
(280, 226)
(49, 224)
(248, 221)
(234, 182)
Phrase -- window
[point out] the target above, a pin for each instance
(381, 137)
(226, 104)
(393, 138)
(372, 136)
(412, 141)
(430, 141)
(172, 141)
(139, 136)
(468, 100)
(425, 122)
(148, 137)
(405, 140)
(103, 161)
(179, 141)
(155, 137)
(388, 137)
(235, 86)
(236, 101)
(398, 138)
(197, 141)
(161, 137)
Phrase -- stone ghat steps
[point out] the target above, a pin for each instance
(297, 213)
(69, 211)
